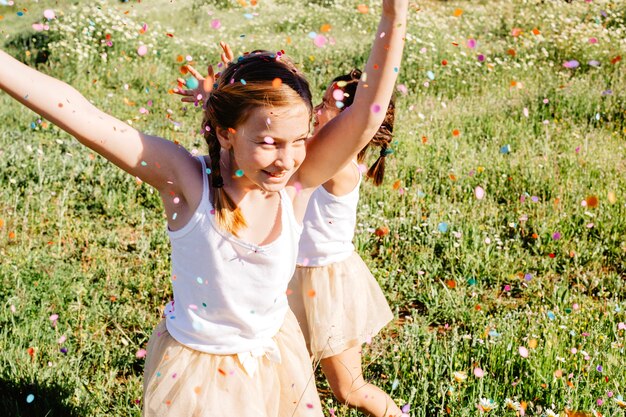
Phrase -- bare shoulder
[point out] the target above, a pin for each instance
(182, 197)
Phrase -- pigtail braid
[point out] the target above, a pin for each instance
(227, 214)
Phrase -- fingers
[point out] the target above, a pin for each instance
(195, 73)
(227, 56)
(187, 93)
(207, 83)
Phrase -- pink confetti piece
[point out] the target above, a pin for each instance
(479, 192)
(320, 41)
(523, 352)
(142, 50)
(49, 14)
(216, 24)
(478, 373)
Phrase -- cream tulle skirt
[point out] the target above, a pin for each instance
(182, 382)
(338, 306)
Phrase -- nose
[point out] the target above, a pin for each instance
(285, 158)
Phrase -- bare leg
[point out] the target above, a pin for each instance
(345, 377)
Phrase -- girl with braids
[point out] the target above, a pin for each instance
(338, 303)
(334, 296)
(229, 344)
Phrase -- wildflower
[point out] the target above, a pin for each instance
(460, 376)
(512, 405)
(487, 405)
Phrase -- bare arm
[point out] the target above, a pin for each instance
(337, 142)
(157, 161)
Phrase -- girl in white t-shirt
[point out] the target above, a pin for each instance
(228, 344)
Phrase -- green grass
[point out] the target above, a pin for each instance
(470, 280)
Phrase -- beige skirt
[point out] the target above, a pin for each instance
(182, 382)
(338, 306)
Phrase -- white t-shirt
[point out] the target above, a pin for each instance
(229, 295)
(328, 227)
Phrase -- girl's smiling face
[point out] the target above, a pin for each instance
(326, 110)
(268, 147)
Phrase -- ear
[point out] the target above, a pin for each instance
(225, 137)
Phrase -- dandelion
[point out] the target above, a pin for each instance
(486, 405)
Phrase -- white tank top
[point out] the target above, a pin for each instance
(328, 227)
(229, 295)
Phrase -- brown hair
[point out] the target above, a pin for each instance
(246, 83)
(348, 84)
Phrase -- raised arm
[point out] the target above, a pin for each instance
(337, 142)
(157, 161)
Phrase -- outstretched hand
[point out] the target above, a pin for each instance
(204, 84)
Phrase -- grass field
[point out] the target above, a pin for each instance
(499, 235)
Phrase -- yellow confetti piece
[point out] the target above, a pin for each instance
(612, 197)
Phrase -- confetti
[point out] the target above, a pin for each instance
(523, 352)
(30, 398)
(142, 50)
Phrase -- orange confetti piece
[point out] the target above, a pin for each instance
(253, 2)
(1, 17)
(592, 201)
(616, 59)
(180, 58)
(184, 70)
(362, 8)
(311, 293)
(456, 132)
(381, 231)
(535, 236)
(31, 352)
(457, 12)
(221, 371)
(197, 390)
(242, 3)
(451, 283)
(511, 52)
(1, 223)
(424, 139)
(11, 235)
(113, 298)
(325, 28)
(452, 177)
(396, 184)
(277, 82)
(532, 343)
(513, 83)
(536, 32)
